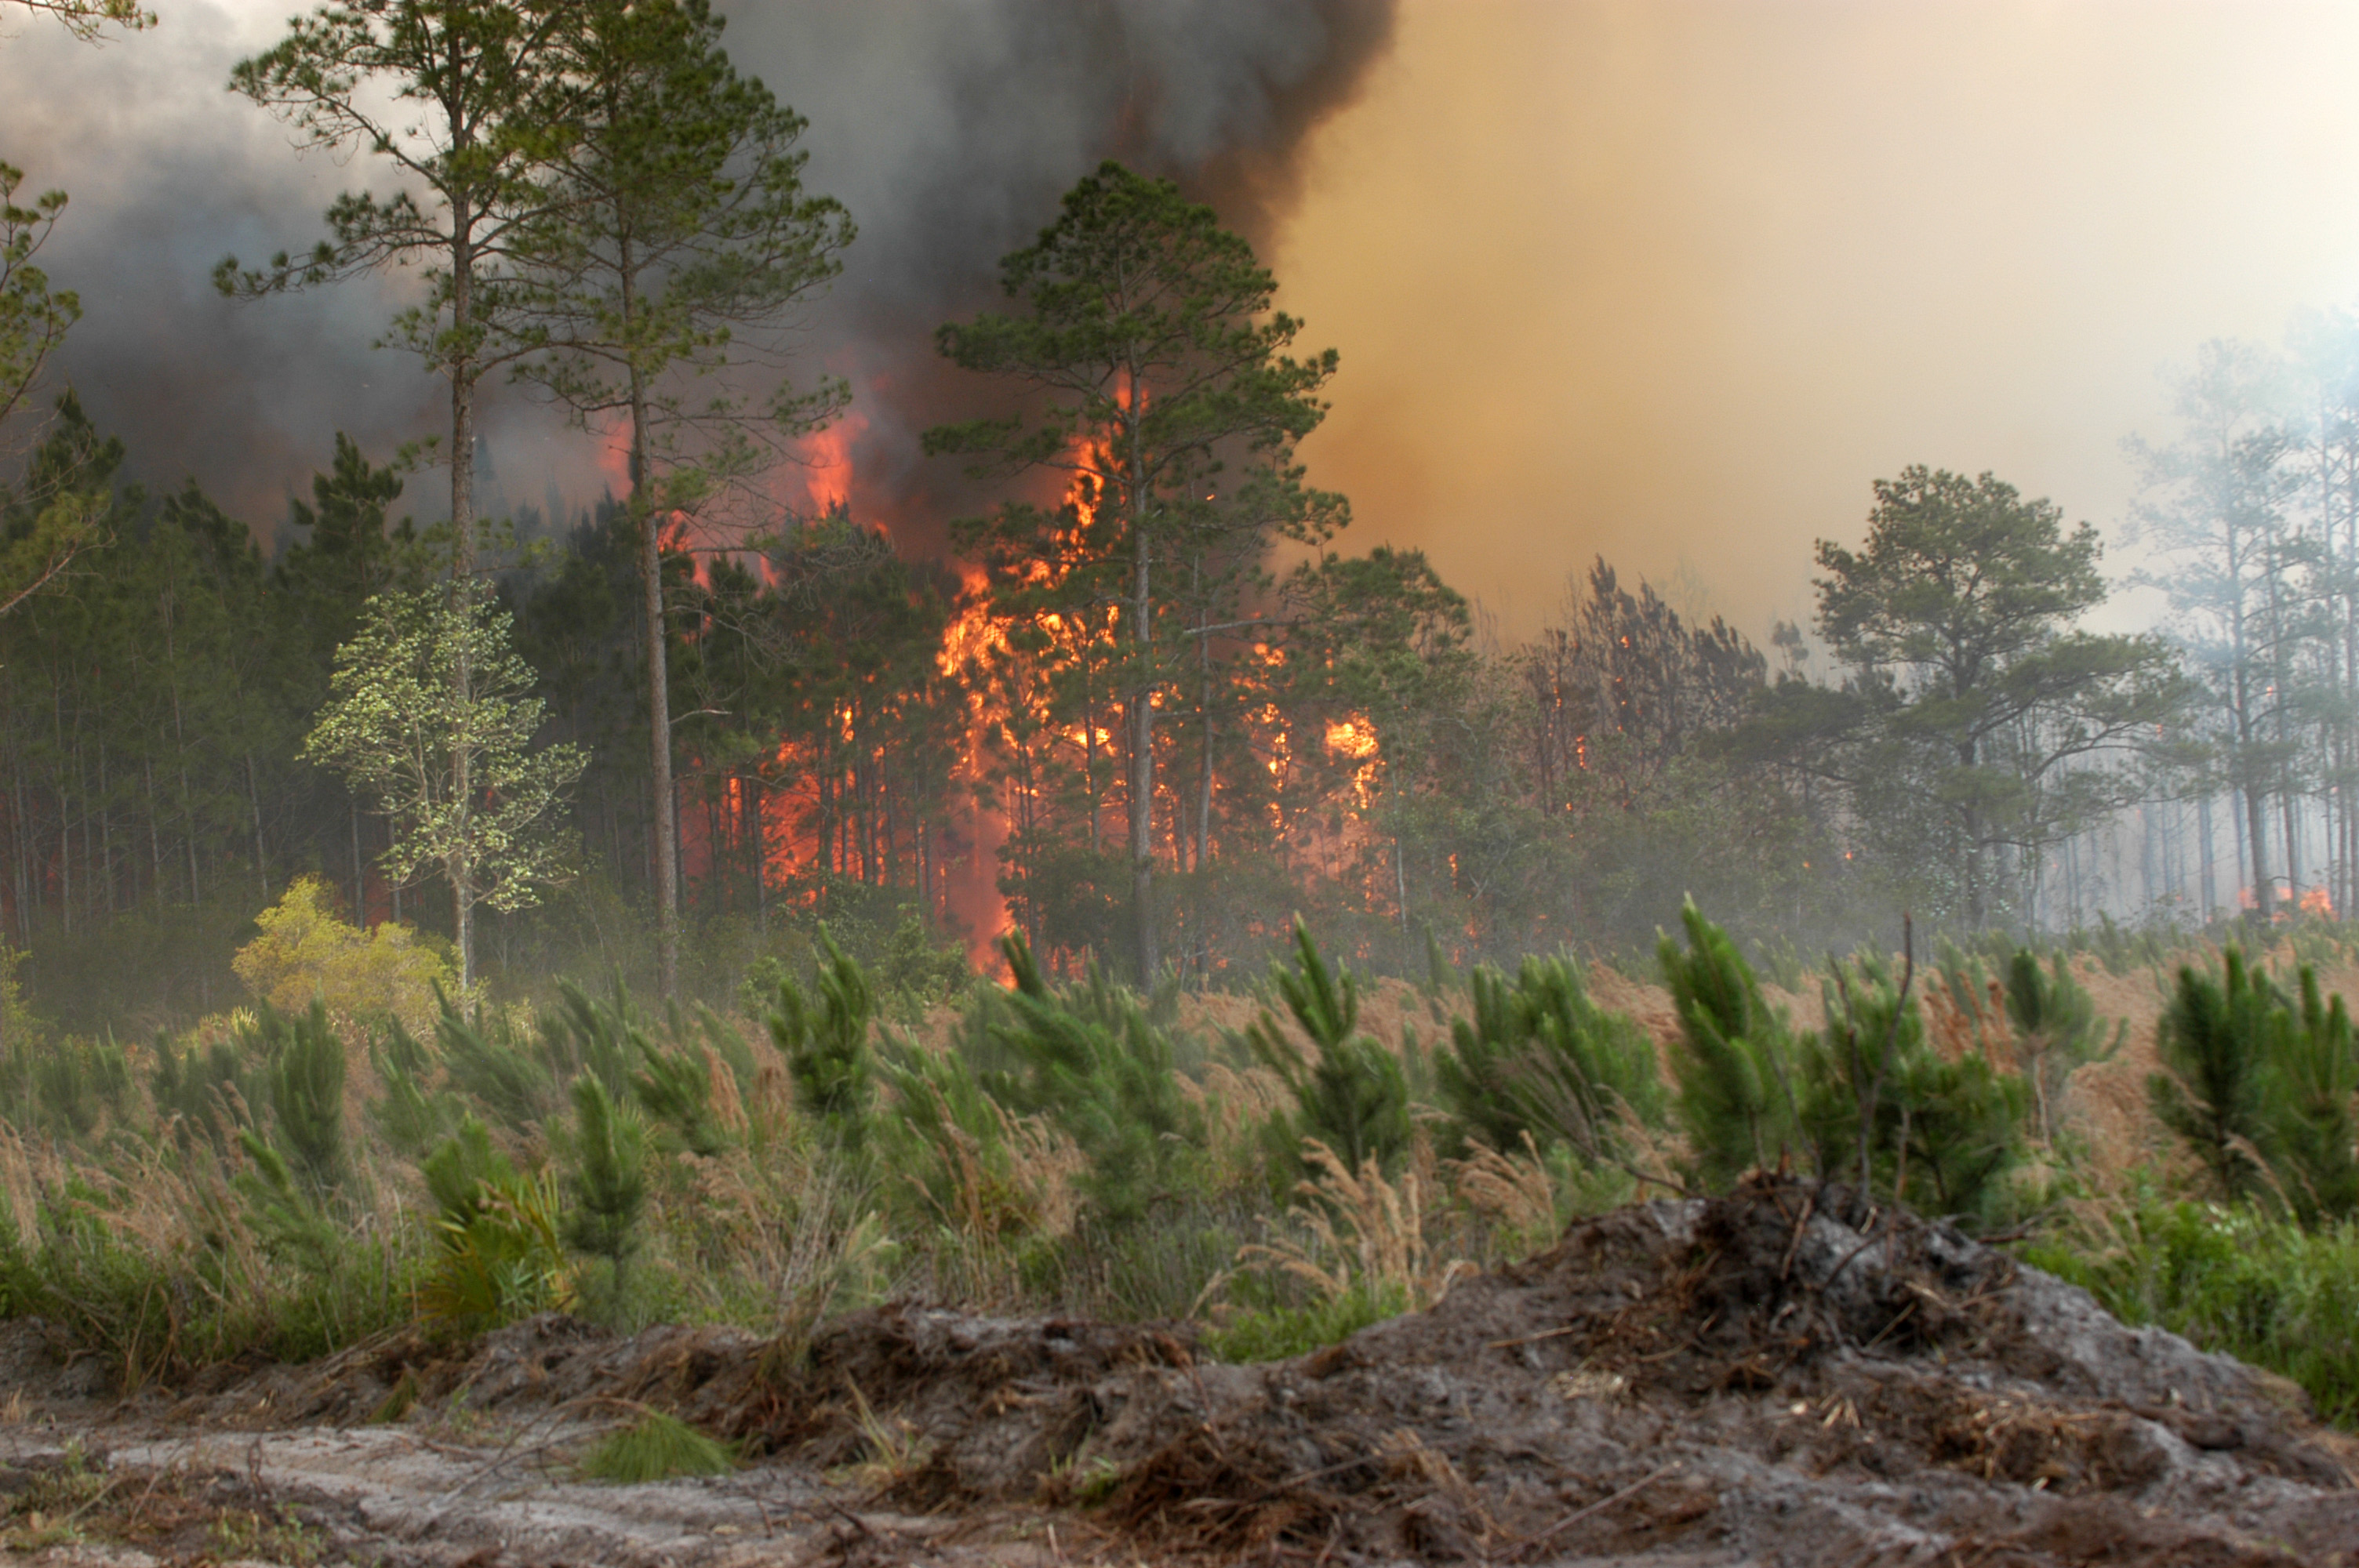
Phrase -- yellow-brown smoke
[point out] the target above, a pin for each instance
(1673, 282)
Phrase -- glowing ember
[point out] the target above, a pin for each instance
(1355, 737)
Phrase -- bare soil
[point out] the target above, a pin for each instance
(1780, 1377)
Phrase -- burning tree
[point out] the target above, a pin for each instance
(1157, 381)
(821, 718)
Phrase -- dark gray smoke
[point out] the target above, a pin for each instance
(949, 129)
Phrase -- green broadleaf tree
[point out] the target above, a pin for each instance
(450, 764)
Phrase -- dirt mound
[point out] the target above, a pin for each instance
(1778, 1377)
(1755, 1379)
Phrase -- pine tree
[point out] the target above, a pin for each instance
(1163, 393)
(609, 1182)
(826, 1044)
(678, 222)
(1353, 1097)
(2215, 1041)
(457, 96)
(1736, 1066)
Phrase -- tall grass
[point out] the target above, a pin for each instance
(2236, 1279)
(293, 1181)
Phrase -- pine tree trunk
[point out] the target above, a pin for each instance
(657, 660)
(463, 563)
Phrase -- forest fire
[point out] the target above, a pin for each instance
(988, 785)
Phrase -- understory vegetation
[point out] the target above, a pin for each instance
(1280, 1170)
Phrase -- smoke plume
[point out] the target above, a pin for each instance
(950, 130)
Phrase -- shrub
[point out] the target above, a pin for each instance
(1282, 1333)
(69, 1086)
(303, 1067)
(2056, 1028)
(1866, 1099)
(405, 1114)
(2261, 1091)
(1096, 1067)
(197, 1088)
(2234, 1279)
(948, 1151)
(500, 1255)
(609, 1181)
(488, 1064)
(303, 951)
(2213, 1041)
(2312, 1133)
(1937, 1135)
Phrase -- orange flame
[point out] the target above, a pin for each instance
(826, 458)
(1355, 737)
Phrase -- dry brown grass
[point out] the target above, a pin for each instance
(1360, 1232)
(1513, 1192)
(1236, 1104)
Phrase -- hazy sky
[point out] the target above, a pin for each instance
(1675, 281)
(1669, 281)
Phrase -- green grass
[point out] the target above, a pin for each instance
(657, 1447)
(2237, 1281)
(1281, 1333)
